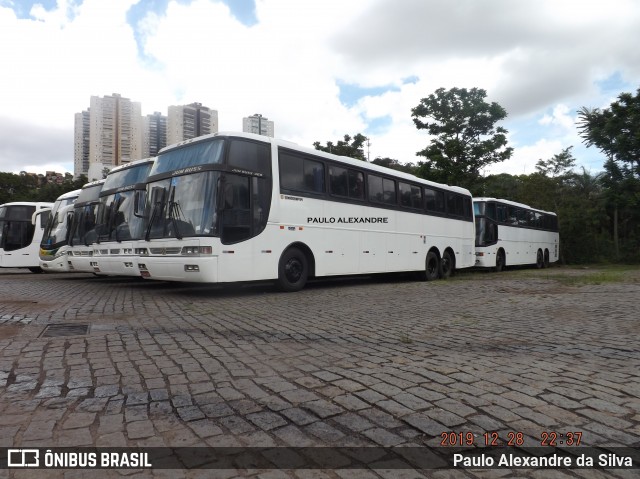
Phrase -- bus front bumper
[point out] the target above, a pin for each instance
(200, 269)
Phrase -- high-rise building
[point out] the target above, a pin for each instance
(189, 121)
(258, 124)
(81, 144)
(154, 134)
(115, 134)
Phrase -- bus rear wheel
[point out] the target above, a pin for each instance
(293, 270)
(539, 260)
(432, 266)
(500, 261)
(447, 265)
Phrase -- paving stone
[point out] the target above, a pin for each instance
(140, 429)
(266, 420)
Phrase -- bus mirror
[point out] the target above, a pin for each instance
(139, 203)
(69, 220)
(45, 212)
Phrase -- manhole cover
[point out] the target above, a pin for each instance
(57, 330)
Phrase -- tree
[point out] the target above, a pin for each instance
(615, 131)
(351, 147)
(466, 137)
(558, 166)
(395, 165)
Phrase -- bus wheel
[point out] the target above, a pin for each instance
(539, 260)
(500, 261)
(432, 267)
(293, 270)
(546, 258)
(36, 270)
(447, 265)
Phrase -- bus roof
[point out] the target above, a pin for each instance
(69, 194)
(131, 164)
(512, 203)
(91, 184)
(312, 151)
(42, 204)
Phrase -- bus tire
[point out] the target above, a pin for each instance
(546, 259)
(293, 270)
(500, 261)
(36, 270)
(432, 267)
(447, 265)
(539, 260)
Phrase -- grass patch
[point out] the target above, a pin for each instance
(586, 275)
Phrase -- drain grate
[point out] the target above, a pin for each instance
(58, 330)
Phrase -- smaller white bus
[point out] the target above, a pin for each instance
(54, 244)
(83, 228)
(510, 234)
(21, 227)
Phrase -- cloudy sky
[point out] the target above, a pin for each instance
(318, 68)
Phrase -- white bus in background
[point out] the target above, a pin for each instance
(83, 228)
(120, 219)
(55, 240)
(510, 234)
(21, 227)
(240, 207)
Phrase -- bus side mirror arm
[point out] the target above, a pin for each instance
(35, 215)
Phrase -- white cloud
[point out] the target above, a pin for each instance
(539, 60)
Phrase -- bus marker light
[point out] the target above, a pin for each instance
(281, 227)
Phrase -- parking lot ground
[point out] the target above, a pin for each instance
(114, 362)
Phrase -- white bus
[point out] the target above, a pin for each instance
(83, 228)
(55, 240)
(509, 234)
(120, 219)
(237, 207)
(21, 228)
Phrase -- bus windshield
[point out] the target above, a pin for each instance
(127, 176)
(117, 219)
(16, 230)
(57, 227)
(182, 206)
(205, 153)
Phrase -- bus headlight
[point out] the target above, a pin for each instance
(196, 250)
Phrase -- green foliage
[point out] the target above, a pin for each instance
(466, 138)
(351, 147)
(395, 165)
(616, 132)
(32, 188)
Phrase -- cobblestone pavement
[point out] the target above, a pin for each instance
(355, 362)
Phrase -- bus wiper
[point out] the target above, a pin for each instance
(157, 196)
(152, 218)
(116, 207)
(174, 206)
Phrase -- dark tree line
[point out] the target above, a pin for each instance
(27, 187)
